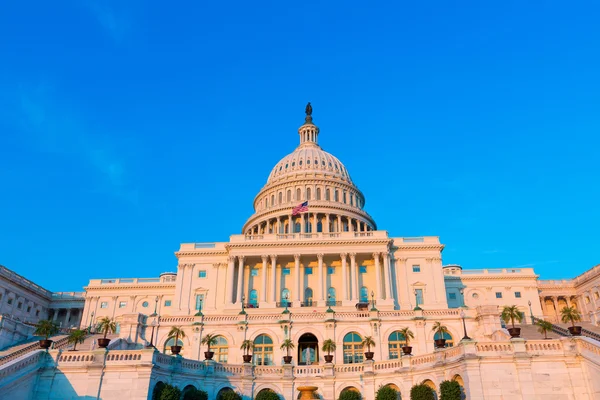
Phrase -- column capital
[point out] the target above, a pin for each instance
(376, 255)
(183, 266)
(297, 257)
(385, 253)
(241, 258)
(320, 256)
(343, 255)
(352, 255)
(273, 257)
(264, 257)
(231, 258)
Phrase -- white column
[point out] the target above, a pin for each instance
(240, 285)
(69, 315)
(388, 275)
(56, 310)
(326, 228)
(321, 294)
(353, 277)
(263, 293)
(378, 292)
(344, 277)
(273, 278)
(297, 277)
(339, 227)
(302, 224)
(290, 224)
(230, 277)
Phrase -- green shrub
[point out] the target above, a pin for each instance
(230, 395)
(168, 392)
(386, 393)
(421, 392)
(349, 395)
(450, 390)
(195, 394)
(267, 395)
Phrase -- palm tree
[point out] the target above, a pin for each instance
(408, 334)
(178, 333)
(329, 346)
(511, 313)
(76, 337)
(440, 330)
(107, 325)
(288, 345)
(209, 340)
(246, 346)
(367, 342)
(571, 314)
(544, 327)
(45, 328)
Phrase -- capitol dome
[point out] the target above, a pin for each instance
(309, 175)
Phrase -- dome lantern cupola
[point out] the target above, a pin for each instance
(309, 131)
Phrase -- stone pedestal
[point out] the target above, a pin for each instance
(307, 392)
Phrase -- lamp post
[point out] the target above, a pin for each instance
(462, 295)
(462, 315)
(286, 304)
(243, 300)
(157, 327)
(155, 307)
(530, 311)
(417, 308)
(329, 310)
(91, 322)
(373, 301)
(152, 335)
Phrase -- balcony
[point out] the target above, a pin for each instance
(275, 237)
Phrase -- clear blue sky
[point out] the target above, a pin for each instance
(128, 127)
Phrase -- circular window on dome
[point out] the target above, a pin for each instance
(294, 164)
(300, 162)
(475, 296)
(308, 161)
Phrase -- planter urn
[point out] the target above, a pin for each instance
(45, 343)
(514, 332)
(247, 358)
(407, 350)
(575, 330)
(176, 349)
(328, 358)
(209, 355)
(103, 343)
(440, 343)
(287, 359)
(369, 355)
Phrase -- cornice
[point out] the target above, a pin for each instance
(200, 253)
(434, 246)
(305, 243)
(511, 277)
(140, 286)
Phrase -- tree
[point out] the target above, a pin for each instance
(45, 328)
(267, 394)
(570, 314)
(450, 390)
(246, 346)
(544, 327)
(195, 394)
(167, 392)
(440, 329)
(178, 333)
(408, 334)
(421, 392)
(349, 395)
(209, 340)
(288, 345)
(76, 337)
(386, 393)
(367, 342)
(107, 325)
(511, 313)
(229, 395)
(329, 346)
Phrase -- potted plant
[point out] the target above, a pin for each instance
(287, 345)
(45, 328)
(512, 313)
(367, 342)
(106, 325)
(440, 330)
(246, 346)
(329, 346)
(572, 315)
(178, 333)
(76, 337)
(408, 334)
(209, 340)
(544, 327)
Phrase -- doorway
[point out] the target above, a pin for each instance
(308, 349)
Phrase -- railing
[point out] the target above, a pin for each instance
(542, 346)
(349, 368)
(204, 245)
(308, 370)
(68, 295)
(251, 305)
(282, 304)
(33, 346)
(333, 303)
(308, 303)
(268, 370)
(181, 320)
(32, 360)
(495, 347)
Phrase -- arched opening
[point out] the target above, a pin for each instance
(297, 227)
(223, 391)
(263, 350)
(319, 226)
(447, 336)
(353, 351)
(396, 389)
(253, 300)
(221, 349)
(331, 296)
(429, 383)
(157, 389)
(308, 193)
(272, 200)
(327, 195)
(298, 194)
(350, 389)
(308, 297)
(318, 193)
(289, 196)
(285, 297)
(364, 294)
(171, 342)
(458, 379)
(280, 197)
(308, 349)
(395, 342)
(265, 394)
(188, 392)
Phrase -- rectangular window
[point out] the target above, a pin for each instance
(518, 295)
(10, 301)
(104, 304)
(308, 271)
(451, 296)
(419, 295)
(416, 268)
(254, 272)
(330, 270)
(202, 273)
(498, 295)
(167, 303)
(362, 269)
(285, 271)
(37, 313)
(122, 304)
(28, 309)
(19, 305)
(199, 301)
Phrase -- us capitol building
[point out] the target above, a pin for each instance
(310, 265)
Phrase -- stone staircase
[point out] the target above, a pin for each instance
(17, 351)
(588, 330)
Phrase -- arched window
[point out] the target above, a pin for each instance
(221, 349)
(285, 295)
(351, 199)
(353, 351)
(308, 193)
(395, 342)
(297, 227)
(447, 336)
(171, 342)
(272, 200)
(289, 196)
(253, 302)
(280, 197)
(298, 194)
(364, 294)
(319, 226)
(318, 193)
(308, 297)
(331, 296)
(327, 194)
(344, 197)
(263, 350)
(336, 195)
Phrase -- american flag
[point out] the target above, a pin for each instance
(300, 208)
